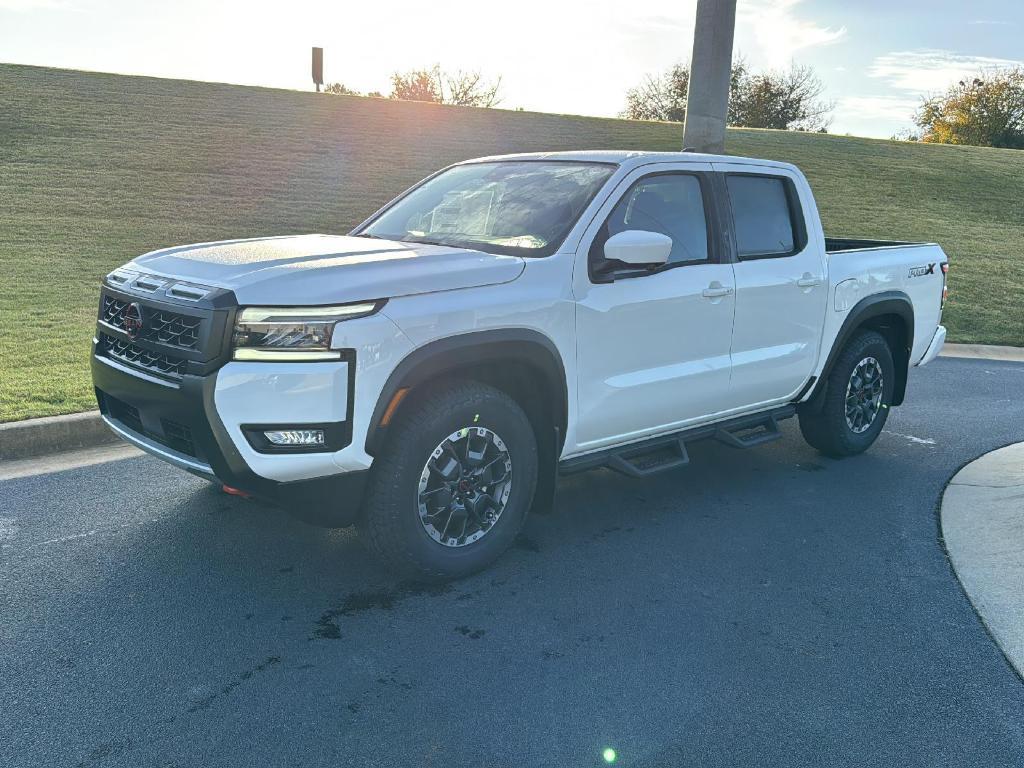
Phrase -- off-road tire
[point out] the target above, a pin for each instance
(828, 429)
(389, 523)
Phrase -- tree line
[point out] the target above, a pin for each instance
(985, 110)
(433, 84)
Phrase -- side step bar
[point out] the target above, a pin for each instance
(666, 452)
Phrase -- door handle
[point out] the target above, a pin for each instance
(808, 281)
(716, 291)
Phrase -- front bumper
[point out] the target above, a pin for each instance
(179, 423)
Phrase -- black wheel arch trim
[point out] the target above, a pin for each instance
(467, 349)
(878, 304)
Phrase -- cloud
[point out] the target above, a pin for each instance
(929, 69)
(779, 32)
(990, 23)
(876, 107)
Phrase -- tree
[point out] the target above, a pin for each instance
(463, 89)
(787, 100)
(661, 97)
(339, 89)
(986, 111)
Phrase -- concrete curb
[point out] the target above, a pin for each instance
(53, 434)
(984, 352)
(982, 517)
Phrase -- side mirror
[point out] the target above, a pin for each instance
(639, 247)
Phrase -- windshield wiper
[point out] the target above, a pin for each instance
(423, 241)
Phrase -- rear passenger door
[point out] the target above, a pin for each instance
(781, 290)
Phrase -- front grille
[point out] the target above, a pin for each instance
(126, 414)
(138, 357)
(159, 325)
(176, 436)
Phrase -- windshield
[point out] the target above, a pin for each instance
(523, 208)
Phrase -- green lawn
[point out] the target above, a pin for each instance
(95, 169)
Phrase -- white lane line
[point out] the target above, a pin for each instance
(912, 439)
(62, 539)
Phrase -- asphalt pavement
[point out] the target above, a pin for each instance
(765, 607)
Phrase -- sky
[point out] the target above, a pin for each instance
(877, 58)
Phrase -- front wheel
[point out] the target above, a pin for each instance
(452, 486)
(857, 398)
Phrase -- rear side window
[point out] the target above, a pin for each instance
(764, 210)
(669, 203)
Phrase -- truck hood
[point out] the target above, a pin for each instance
(328, 269)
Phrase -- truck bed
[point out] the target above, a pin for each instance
(844, 244)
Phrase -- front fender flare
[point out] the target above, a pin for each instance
(437, 357)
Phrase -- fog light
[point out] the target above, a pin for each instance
(285, 437)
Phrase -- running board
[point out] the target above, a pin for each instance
(650, 459)
(660, 454)
(749, 437)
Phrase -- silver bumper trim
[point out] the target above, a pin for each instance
(179, 460)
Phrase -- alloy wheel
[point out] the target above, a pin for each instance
(464, 486)
(864, 395)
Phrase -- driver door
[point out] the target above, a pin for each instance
(653, 345)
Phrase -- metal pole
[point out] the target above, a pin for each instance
(707, 98)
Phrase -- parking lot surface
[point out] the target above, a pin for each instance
(762, 607)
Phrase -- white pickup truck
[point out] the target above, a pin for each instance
(428, 376)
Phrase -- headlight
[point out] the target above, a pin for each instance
(292, 333)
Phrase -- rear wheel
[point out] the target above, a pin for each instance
(857, 398)
(452, 485)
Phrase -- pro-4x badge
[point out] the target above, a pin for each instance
(922, 271)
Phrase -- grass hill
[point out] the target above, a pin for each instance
(97, 168)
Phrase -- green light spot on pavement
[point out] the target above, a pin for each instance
(609, 755)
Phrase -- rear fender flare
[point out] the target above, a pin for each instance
(877, 305)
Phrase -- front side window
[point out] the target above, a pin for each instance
(523, 208)
(670, 204)
(763, 216)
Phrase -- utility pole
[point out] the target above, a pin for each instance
(707, 98)
(318, 67)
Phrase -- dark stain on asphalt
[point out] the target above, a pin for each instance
(109, 749)
(394, 681)
(370, 697)
(472, 634)
(326, 627)
(207, 701)
(606, 532)
(524, 542)
(810, 466)
(289, 569)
